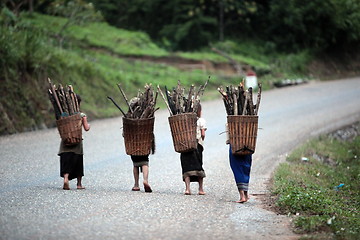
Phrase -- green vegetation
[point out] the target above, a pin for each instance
(289, 25)
(74, 45)
(319, 186)
(31, 53)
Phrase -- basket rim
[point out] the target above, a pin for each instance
(137, 119)
(182, 114)
(245, 116)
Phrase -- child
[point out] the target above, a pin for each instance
(191, 162)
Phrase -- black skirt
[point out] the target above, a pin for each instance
(191, 164)
(72, 164)
(139, 161)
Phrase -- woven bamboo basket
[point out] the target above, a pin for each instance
(70, 129)
(242, 133)
(138, 135)
(183, 131)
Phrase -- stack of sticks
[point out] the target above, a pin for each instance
(64, 100)
(140, 107)
(177, 101)
(239, 101)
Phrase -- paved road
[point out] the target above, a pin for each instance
(33, 205)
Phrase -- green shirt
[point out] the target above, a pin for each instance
(77, 149)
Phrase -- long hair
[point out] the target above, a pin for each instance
(198, 110)
(78, 98)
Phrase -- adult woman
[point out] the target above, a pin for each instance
(71, 158)
(191, 162)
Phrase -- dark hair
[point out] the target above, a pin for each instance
(78, 98)
(198, 110)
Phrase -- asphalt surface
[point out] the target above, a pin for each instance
(34, 206)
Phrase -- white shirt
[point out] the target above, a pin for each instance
(201, 124)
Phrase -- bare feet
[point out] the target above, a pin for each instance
(66, 186)
(80, 187)
(187, 192)
(241, 201)
(202, 193)
(246, 195)
(135, 189)
(147, 188)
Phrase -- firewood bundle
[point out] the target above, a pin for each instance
(140, 107)
(63, 99)
(177, 101)
(239, 101)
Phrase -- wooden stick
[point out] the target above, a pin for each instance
(162, 95)
(251, 104)
(235, 104)
(200, 93)
(117, 105)
(246, 102)
(74, 98)
(55, 96)
(126, 100)
(258, 99)
(188, 104)
(69, 101)
(62, 99)
(56, 108)
(171, 102)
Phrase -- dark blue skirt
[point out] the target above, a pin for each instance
(241, 166)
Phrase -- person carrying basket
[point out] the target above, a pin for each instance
(192, 162)
(71, 157)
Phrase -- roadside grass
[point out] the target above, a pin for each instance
(319, 186)
(99, 34)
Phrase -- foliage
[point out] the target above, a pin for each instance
(311, 189)
(77, 12)
(178, 24)
(288, 25)
(30, 55)
(317, 24)
(101, 36)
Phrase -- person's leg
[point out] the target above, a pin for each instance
(243, 198)
(145, 170)
(79, 185)
(66, 182)
(136, 179)
(246, 195)
(201, 189)
(187, 186)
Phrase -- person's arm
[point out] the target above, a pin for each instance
(202, 128)
(85, 123)
(203, 133)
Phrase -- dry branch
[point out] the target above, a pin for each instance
(178, 102)
(140, 107)
(238, 101)
(63, 100)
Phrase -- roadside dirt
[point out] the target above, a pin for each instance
(223, 68)
(322, 67)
